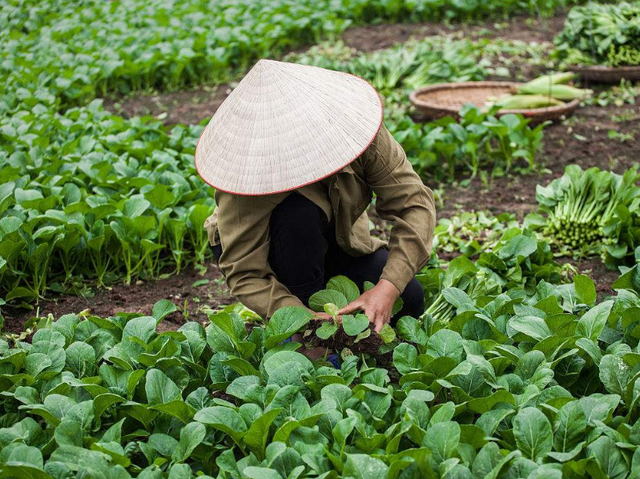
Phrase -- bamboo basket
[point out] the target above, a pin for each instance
(446, 99)
(601, 74)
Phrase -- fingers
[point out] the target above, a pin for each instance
(379, 319)
(379, 322)
(351, 307)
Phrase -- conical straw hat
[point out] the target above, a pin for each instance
(285, 126)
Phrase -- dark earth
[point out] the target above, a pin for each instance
(583, 139)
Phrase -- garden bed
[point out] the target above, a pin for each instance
(582, 140)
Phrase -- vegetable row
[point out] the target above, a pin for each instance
(531, 379)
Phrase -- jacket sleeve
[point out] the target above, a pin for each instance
(243, 227)
(403, 199)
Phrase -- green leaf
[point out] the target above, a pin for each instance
(442, 439)
(520, 245)
(27, 455)
(610, 461)
(344, 285)
(615, 374)
(284, 323)
(585, 289)
(326, 296)
(533, 433)
(405, 358)
(354, 325)
(190, 437)
(282, 357)
(331, 309)
(142, 328)
(224, 419)
(446, 343)
(23, 471)
(326, 330)
(258, 434)
(592, 323)
(362, 466)
(254, 472)
(162, 309)
(570, 427)
(160, 389)
(530, 326)
(176, 408)
(387, 333)
(80, 359)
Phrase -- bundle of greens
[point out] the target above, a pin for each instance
(601, 34)
(582, 208)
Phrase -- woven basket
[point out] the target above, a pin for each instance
(600, 74)
(446, 99)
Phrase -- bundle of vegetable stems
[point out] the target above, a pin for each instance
(584, 201)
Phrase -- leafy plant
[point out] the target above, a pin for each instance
(470, 233)
(407, 66)
(601, 34)
(121, 202)
(477, 142)
(540, 383)
(339, 293)
(590, 211)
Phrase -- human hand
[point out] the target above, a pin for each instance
(377, 303)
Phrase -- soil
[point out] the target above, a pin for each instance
(341, 340)
(583, 139)
(376, 37)
(199, 104)
(191, 299)
(189, 106)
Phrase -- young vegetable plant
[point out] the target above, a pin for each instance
(341, 291)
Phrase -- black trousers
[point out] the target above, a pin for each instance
(304, 255)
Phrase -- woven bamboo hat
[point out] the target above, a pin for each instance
(285, 126)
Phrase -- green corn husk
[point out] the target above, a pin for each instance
(552, 79)
(559, 92)
(522, 102)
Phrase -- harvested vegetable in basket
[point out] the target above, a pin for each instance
(543, 92)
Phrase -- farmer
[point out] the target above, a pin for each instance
(295, 154)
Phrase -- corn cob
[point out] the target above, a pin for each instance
(559, 92)
(553, 79)
(522, 102)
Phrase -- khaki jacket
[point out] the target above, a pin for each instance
(241, 224)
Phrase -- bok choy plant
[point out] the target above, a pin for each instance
(584, 208)
(541, 384)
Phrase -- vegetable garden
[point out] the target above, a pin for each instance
(122, 353)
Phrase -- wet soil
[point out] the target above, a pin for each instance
(189, 106)
(192, 292)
